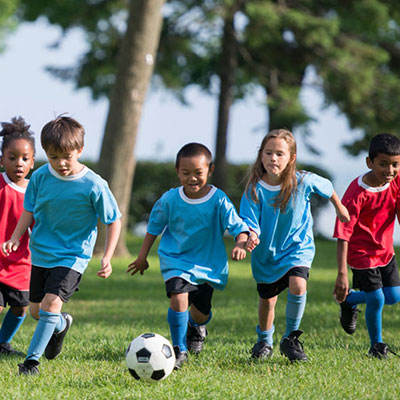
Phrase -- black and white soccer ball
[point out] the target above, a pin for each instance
(150, 357)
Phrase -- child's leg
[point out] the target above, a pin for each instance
(178, 317)
(392, 294)
(296, 302)
(11, 323)
(373, 314)
(266, 316)
(355, 297)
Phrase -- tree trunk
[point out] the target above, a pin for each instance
(134, 69)
(228, 65)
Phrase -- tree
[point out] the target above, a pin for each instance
(7, 19)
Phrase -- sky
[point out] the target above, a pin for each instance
(28, 90)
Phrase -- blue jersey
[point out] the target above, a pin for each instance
(66, 211)
(192, 245)
(286, 238)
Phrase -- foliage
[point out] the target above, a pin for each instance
(109, 314)
(7, 20)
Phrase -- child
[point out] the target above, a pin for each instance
(65, 199)
(276, 207)
(366, 242)
(17, 158)
(192, 220)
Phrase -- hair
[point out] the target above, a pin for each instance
(15, 130)
(288, 179)
(384, 143)
(62, 134)
(193, 150)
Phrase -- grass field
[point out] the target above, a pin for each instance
(109, 314)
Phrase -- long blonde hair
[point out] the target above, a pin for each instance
(288, 178)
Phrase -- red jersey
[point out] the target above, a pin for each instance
(370, 231)
(15, 270)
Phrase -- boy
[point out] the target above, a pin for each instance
(192, 220)
(65, 199)
(366, 242)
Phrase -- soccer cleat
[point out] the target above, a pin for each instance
(29, 367)
(180, 357)
(261, 350)
(380, 350)
(195, 338)
(348, 317)
(7, 350)
(54, 347)
(292, 348)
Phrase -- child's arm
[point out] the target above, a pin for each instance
(239, 252)
(112, 234)
(141, 264)
(252, 242)
(24, 222)
(341, 288)
(341, 211)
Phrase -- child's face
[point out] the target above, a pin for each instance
(18, 159)
(65, 163)
(384, 169)
(193, 173)
(275, 158)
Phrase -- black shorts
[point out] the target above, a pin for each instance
(13, 297)
(269, 290)
(199, 295)
(61, 281)
(372, 279)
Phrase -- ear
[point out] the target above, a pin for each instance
(211, 169)
(369, 162)
(293, 160)
(80, 152)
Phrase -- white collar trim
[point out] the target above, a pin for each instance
(68, 178)
(371, 188)
(13, 185)
(197, 201)
(265, 185)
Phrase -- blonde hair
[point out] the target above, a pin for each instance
(288, 178)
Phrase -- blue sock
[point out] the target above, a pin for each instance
(178, 322)
(10, 326)
(355, 297)
(392, 294)
(373, 315)
(294, 311)
(266, 336)
(60, 324)
(192, 322)
(41, 336)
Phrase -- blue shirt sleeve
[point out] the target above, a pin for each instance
(231, 220)
(250, 212)
(105, 204)
(158, 218)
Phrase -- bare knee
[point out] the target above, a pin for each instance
(19, 311)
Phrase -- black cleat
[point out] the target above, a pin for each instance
(292, 348)
(195, 338)
(261, 350)
(7, 350)
(29, 367)
(380, 350)
(54, 347)
(348, 317)
(180, 357)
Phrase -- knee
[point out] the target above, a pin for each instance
(392, 295)
(375, 299)
(19, 311)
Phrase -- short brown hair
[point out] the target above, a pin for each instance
(62, 134)
(193, 150)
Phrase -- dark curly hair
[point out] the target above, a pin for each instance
(14, 130)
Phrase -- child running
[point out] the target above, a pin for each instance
(276, 207)
(192, 220)
(66, 199)
(366, 242)
(17, 158)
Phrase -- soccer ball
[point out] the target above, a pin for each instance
(150, 357)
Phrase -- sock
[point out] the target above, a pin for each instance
(373, 315)
(178, 322)
(41, 336)
(193, 323)
(60, 324)
(294, 311)
(392, 294)
(355, 297)
(10, 326)
(265, 336)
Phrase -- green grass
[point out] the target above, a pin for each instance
(109, 314)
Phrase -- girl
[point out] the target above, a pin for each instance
(17, 158)
(276, 207)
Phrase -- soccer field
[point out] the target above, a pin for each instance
(109, 314)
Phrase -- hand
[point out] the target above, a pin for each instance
(341, 288)
(138, 266)
(106, 269)
(252, 242)
(10, 246)
(238, 252)
(343, 214)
